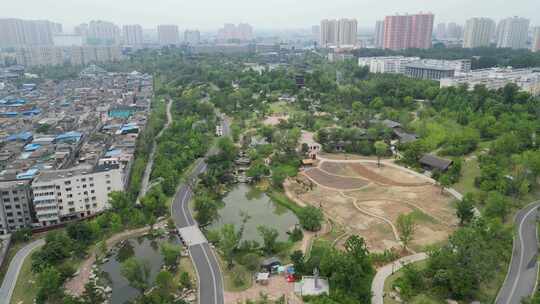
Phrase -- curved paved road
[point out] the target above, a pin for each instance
(10, 280)
(204, 260)
(522, 274)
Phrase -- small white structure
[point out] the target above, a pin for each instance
(312, 285)
(219, 130)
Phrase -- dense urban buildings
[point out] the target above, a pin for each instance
(132, 35)
(65, 145)
(168, 34)
(339, 33)
(18, 32)
(536, 39)
(408, 31)
(478, 32)
(75, 55)
(512, 33)
(378, 39)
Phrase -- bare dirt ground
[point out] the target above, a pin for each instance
(372, 210)
(275, 119)
(333, 181)
(277, 287)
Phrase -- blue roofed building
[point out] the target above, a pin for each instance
(29, 174)
(72, 136)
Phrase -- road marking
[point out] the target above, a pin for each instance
(521, 257)
(212, 273)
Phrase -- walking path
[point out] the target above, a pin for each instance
(10, 280)
(148, 170)
(377, 286)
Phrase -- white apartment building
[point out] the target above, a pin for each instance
(75, 193)
(536, 40)
(168, 34)
(378, 39)
(398, 64)
(103, 32)
(338, 33)
(132, 34)
(478, 32)
(513, 33)
(527, 80)
(389, 64)
(39, 56)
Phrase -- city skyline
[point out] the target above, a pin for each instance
(209, 15)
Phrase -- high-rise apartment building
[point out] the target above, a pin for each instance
(478, 32)
(245, 32)
(132, 34)
(536, 39)
(512, 33)
(408, 31)
(40, 56)
(192, 37)
(168, 34)
(440, 31)
(338, 33)
(454, 31)
(103, 32)
(19, 33)
(378, 40)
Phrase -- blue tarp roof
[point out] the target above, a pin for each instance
(9, 113)
(31, 147)
(31, 112)
(69, 135)
(31, 173)
(20, 136)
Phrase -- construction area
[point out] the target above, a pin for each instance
(366, 199)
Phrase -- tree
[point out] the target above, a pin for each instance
(380, 149)
(257, 170)
(406, 227)
(297, 258)
(496, 205)
(206, 208)
(311, 218)
(21, 235)
(269, 236)
(185, 280)
(91, 294)
(230, 239)
(136, 272)
(165, 282)
(465, 209)
(170, 253)
(444, 181)
(49, 284)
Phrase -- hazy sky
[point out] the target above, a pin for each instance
(262, 14)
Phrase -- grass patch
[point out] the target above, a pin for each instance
(422, 217)
(237, 278)
(281, 199)
(280, 107)
(25, 290)
(469, 171)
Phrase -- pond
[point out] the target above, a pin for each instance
(261, 210)
(142, 248)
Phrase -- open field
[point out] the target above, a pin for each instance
(367, 200)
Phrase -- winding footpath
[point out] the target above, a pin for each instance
(148, 170)
(522, 275)
(204, 260)
(10, 280)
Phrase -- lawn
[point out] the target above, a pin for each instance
(25, 290)
(469, 171)
(280, 107)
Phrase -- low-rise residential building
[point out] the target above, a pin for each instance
(527, 80)
(63, 195)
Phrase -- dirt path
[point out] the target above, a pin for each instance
(75, 286)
